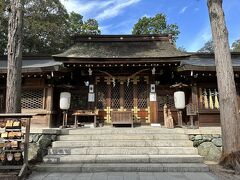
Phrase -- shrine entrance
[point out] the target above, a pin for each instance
(123, 94)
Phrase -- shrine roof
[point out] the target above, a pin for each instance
(33, 64)
(206, 62)
(122, 47)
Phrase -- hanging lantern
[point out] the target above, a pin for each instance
(210, 100)
(216, 103)
(205, 99)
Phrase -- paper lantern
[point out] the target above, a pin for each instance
(179, 100)
(65, 100)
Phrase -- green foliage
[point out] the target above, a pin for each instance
(90, 27)
(1, 6)
(182, 49)
(155, 25)
(3, 27)
(47, 27)
(78, 26)
(75, 22)
(236, 46)
(208, 47)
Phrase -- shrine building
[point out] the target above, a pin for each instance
(113, 74)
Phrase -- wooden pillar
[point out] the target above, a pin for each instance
(108, 98)
(154, 112)
(180, 121)
(135, 100)
(195, 99)
(153, 101)
(121, 95)
(49, 105)
(91, 105)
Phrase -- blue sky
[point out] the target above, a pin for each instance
(119, 17)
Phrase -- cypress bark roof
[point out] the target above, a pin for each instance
(206, 62)
(34, 64)
(122, 47)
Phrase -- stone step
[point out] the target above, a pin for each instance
(125, 151)
(122, 137)
(123, 167)
(57, 159)
(109, 130)
(124, 143)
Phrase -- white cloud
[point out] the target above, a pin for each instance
(200, 39)
(71, 5)
(183, 10)
(99, 9)
(84, 8)
(115, 8)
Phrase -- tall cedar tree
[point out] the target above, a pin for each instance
(14, 47)
(229, 112)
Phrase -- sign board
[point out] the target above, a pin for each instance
(153, 97)
(91, 97)
(191, 109)
(153, 86)
(91, 88)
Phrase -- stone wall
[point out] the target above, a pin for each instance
(209, 145)
(39, 143)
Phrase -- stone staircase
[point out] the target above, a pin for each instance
(108, 149)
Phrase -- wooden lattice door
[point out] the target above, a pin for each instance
(122, 94)
(115, 95)
(128, 101)
(142, 108)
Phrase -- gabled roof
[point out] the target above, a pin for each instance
(122, 47)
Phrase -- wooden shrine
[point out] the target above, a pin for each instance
(113, 74)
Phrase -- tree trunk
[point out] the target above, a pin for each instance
(15, 25)
(229, 113)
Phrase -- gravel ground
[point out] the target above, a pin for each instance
(223, 174)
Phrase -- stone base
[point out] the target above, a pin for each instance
(155, 124)
(124, 167)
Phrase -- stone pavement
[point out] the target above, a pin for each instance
(123, 176)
